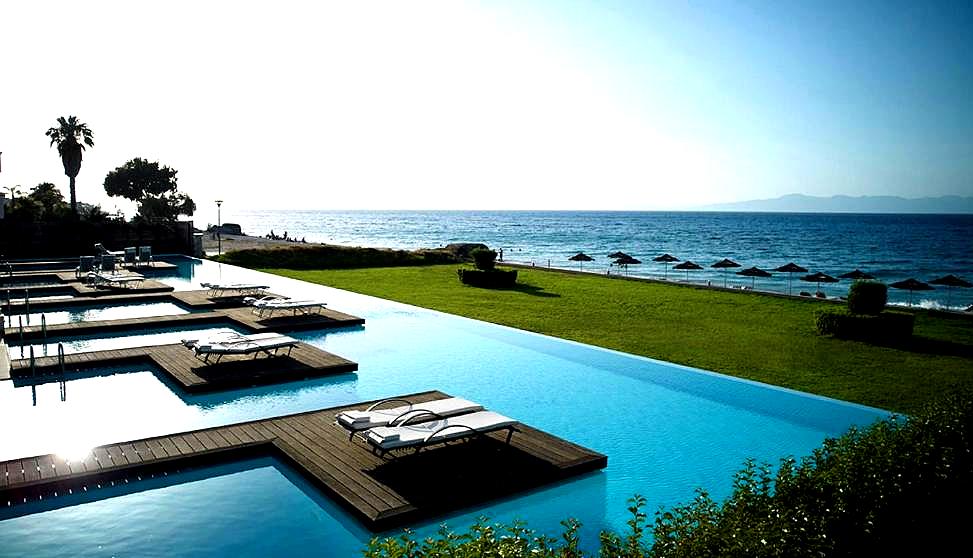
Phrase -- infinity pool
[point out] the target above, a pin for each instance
(666, 429)
(95, 313)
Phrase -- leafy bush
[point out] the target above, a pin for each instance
(886, 490)
(867, 297)
(333, 257)
(491, 279)
(885, 327)
(484, 259)
(898, 487)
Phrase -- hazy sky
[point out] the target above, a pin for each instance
(495, 105)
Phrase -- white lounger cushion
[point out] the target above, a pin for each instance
(233, 286)
(391, 437)
(242, 344)
(363, 420)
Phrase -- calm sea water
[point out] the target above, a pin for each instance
(890, 247)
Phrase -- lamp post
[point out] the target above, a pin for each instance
(219, 229)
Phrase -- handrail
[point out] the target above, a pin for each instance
(44, 328)
(27, 303)
(33, 364)
(60, 356)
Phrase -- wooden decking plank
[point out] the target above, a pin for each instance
(4, 481)
(170, 448)
(181, 444)
(116, 455)
(45, 466)
(341, 466)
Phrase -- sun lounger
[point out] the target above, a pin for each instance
(130, 255)
(144, 255)
(265, 307)
(132, 280)
(236, 289)
(357, 421)
(384, 439)
(237, 344)
(86, 264)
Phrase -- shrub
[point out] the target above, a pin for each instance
(320, 256)
(898, 487)
(492, 279)
(484, 259)
(885, 327)
(867, 297)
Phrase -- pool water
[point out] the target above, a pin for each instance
(666, 429)
(96, 313)
(225, 510)
(119, 340)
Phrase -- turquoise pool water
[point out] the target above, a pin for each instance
(666, 429)
(96, 313)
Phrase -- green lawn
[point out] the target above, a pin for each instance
(764, 338)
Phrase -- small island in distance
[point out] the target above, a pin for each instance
(800, 203)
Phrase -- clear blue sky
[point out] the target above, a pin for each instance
(509, 105)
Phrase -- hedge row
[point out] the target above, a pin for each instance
(887, 326)
(334, 257)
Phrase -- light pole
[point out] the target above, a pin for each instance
(219, 229)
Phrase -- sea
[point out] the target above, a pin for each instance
(890, 247)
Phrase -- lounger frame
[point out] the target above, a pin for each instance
(429, 441)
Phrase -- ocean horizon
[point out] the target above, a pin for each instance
(892, 247)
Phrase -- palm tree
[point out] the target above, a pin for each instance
(71, 136)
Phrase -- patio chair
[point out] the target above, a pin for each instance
(108, 263)
(86, 264)
(130, 256)
(237, 344)
(237, 289)
(130, 280)
(266, 307)
(145, 255)
(384, 439)
(358, 421)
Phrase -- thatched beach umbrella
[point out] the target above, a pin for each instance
(616, 255)
(819, 278)
(857, 275)
(950, 281)
(687, 266)
(753, 273)
(911, 285)
(725, 264)
(790, 269)
(666, 259)
(627, 261)
(581, 257)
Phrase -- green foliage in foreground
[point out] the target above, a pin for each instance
(763, 338)
(899, 487)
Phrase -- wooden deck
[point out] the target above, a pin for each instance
(240, 318)
(381, 493)
(192, 374)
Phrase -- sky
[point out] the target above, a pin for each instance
(497, 104)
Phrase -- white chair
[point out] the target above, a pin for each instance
(384, 439)
(357, 421)
(237, 344)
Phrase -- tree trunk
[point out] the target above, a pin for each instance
(74, 198)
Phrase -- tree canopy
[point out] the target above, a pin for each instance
(154, 188)
(71, 137)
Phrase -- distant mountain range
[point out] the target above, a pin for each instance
(799, 203)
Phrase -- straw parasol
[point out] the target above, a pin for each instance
(819, 278)
(857, 275)
(687, 266)
(616, 255)
(666, 259)
(581, 257)
(950, 281)
(753, 273)
(790, 269)
(911, 285)
(725, 264)
(627, 261)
